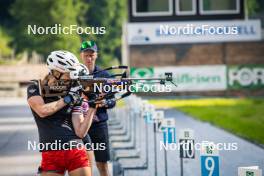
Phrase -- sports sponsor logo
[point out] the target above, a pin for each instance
(246, 76)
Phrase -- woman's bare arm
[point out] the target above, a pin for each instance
(43, 110)
(81, 123)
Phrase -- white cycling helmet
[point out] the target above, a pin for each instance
(81, 70)
(62, 61)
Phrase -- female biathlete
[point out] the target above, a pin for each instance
(62, 121)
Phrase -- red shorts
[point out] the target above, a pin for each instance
(62, 160)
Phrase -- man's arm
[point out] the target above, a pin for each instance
(43, 110)
(106, 103)
(110, 103)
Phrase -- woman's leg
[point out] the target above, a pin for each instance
(50, 174)
(84, 171)
(78, 163)
(90, 156)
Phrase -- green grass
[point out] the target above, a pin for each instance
(243, 117)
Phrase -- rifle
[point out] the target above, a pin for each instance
(89, 84)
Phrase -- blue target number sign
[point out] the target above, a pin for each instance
(210, 165)
(148, 117)
(169, 135)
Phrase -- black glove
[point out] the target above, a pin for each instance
(74, 96)
(92, 103)
(91, 99)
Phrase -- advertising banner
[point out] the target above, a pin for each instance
(193, 32)
(207, 77)
(246, 77)
(196, 78)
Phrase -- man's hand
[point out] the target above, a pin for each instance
(91, 97)
(101, 103)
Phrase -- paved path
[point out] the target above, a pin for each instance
(247, 154)
(17, 127)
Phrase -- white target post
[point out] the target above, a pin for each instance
(166, 123)
(144, 108)
(187, 150)
(249, 171)
(147, 111)
(186, 140)
(149, 114)
(157, 118)
(167, 126)
(209, 159)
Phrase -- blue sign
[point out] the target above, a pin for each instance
(148, 117)
(210, 165)
(169, 135)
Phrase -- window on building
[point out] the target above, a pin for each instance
(219, 6)
(185, 7)
(152, 7)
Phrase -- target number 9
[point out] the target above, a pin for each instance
(209, 165)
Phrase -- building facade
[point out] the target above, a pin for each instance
(149, 47)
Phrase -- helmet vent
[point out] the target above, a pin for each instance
(61, 63)
(59, 56)
(69, 63)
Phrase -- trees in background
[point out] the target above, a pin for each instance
(18, 14)
(45, 13)
(253, 6)
(15, 15)
(5, 50)
(6, 22)
(110, 14)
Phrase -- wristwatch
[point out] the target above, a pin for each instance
(67, 99)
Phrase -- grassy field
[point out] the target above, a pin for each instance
(243, 117)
